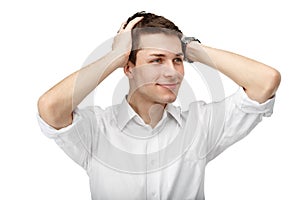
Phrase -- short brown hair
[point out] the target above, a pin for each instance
(150, 23)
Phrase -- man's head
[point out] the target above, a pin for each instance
(155, 67)
(150, 24)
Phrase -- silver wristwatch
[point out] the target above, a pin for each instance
(185, 41)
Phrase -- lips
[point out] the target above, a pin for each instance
(170, 86)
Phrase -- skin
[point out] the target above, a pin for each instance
(57, 104)
(259, 81)
(155, 78)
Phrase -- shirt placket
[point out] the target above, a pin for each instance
(152, 174)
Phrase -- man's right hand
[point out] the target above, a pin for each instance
(122, 43)
(57, 104)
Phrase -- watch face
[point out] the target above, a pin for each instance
(187, 40)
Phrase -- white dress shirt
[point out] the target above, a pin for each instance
(127, 159)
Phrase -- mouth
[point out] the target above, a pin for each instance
(170, 86)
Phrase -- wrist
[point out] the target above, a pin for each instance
(194, 52)
(119, 58)
(200, 53)
(188, 48)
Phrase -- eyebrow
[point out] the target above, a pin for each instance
(163, 55)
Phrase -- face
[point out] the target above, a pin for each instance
(158, 71)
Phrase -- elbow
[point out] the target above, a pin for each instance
(42, 104)
(272, 82)
(45, 108)
(274, 79)
(48, 111)
(267, 87)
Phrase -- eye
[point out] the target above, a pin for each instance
(157, 60)
(177, 60)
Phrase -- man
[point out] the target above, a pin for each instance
(146, 148)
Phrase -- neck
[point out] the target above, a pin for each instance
(150, 112)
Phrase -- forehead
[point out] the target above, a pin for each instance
(161, 42)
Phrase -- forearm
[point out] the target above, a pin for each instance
(57, 104)
(259, 80)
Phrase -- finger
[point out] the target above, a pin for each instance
(132, 23)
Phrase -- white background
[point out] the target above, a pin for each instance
(41, 42)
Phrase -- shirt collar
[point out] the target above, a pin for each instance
(126, 113)
(175, 112)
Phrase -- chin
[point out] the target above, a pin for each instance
(168, 98)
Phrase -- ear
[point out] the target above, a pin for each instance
(128, 68)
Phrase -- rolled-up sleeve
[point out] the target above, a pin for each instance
(232, 119)
(75, 139)
(248, 105)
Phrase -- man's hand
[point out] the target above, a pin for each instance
(195, 52)
(123, 42)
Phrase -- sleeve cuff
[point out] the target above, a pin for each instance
(248, 105)
(51, 132)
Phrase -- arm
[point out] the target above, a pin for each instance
(57, 104)
(259, 81)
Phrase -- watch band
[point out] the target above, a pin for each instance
(185, 41)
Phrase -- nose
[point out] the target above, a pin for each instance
(170, 70)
